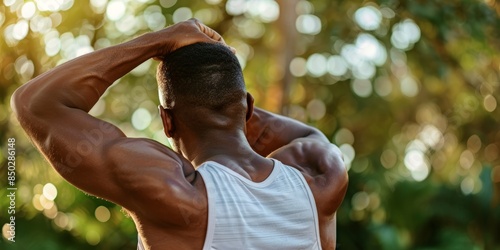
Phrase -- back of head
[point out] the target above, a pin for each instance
(201, 75)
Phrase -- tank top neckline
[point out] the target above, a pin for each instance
(274, 173)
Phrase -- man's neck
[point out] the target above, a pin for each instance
(232, 151)
(216, 144)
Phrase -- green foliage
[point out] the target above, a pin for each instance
(409, 90)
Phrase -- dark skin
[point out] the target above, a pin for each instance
(161, 189)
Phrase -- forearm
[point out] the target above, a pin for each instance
(79, 83)
(267, 132)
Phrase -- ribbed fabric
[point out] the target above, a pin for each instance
(278, 213)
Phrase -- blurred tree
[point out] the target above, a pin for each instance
(409, 91)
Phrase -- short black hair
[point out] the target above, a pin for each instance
(201, 74)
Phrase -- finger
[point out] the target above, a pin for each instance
(213, 34)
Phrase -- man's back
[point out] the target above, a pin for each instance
(277, 213)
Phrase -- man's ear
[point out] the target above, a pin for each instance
(168, 123)
(250, 101)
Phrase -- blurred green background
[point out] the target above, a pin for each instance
(407, 89)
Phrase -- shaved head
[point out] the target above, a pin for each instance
(200, 75)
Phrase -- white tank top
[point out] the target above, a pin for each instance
(277, 213)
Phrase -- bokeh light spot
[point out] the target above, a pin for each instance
(466, 159)
(467, 185)
(153, 17)
(344, 136)
(50, 191)
(20, 30)
(337, 66)
(409, 87)
(167, 3)
(298, 67)
(182, 14)
(116, 9)
(235, 7)
(28, 10)
(316, 109)
(316, 65)
(490, 103)
(360, 200)
(405, 34)
(308, 24)
(92, 237)
(349, 154)
(141, 119)
(361, 87)
(98, 6)
(417, 163)
(102, 214)
(214, 2)
(368, 18)
(388, 158)
(383, 86)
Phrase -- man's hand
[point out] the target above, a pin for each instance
(186, 33)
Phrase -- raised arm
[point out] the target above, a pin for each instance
(305, 148)
(267, 132)
(92, 154)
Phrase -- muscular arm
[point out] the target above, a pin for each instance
(308, 150)
(267, 132)
(301, 146)
(93, 155)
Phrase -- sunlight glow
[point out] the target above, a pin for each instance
(337, 66)
(316, 65)
(298, 67)
(102, 213)
(235, 7)
(153, 17)
(141, 119)
(362, 87)
(167, 3)
(343, 136)
(383, 86)
(214, 2)
(116, 9)
(417, 163)
(98, 6)
(50, 191)
(316, 109)
(265, 10)
(349, 153)
(182, 14)
(360, 200)
(20, 30)
(54, 5)
(409, 87)
(371, 49)
(308, 24)
(28, 10)
(405, 34)
(489, 103)
(368, 18)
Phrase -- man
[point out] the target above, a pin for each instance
(227, 185)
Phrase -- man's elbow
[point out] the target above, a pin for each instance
(23, 107)
(16, 104)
